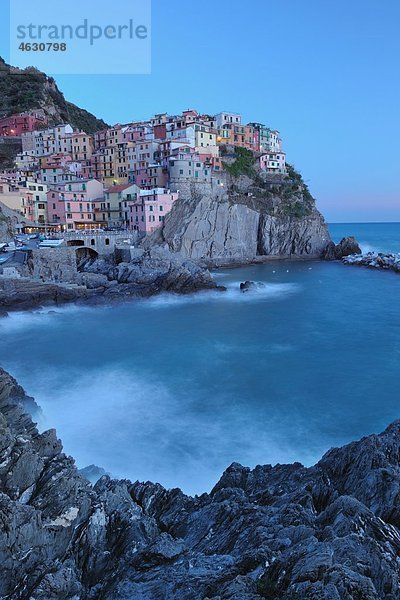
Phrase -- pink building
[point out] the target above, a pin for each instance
(16, 125)
(55, 208)
(273, 162)
(150, 177)
(77, 205)
(147, 213)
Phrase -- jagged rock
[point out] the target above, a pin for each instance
(92, 473)
(19, 294)
(289, 532)
(247, 286)
(375, 260)
(93, 281)
(150, 272)
(291, 236)
(154, 271)
(346, 247)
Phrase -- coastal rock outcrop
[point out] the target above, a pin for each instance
(153, 271)
(24, 294)
(248, 215)
(375, 260)
(346, 247)
(287, 532)
(53, 277)
(293, 236)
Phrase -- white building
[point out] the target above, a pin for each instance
(226, 118)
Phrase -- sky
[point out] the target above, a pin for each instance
(323, 72)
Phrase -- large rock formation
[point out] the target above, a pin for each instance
(346, 247)
(287, 532)
(248, 215)
(57, 276)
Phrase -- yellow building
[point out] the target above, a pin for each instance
(82, 147)
(205, 140)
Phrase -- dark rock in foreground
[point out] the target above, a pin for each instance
(53, 280)
(346, 247)
(289, 532)
(247, 286)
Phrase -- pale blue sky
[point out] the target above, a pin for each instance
(323, 72)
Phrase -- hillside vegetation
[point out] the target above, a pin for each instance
(30, 89)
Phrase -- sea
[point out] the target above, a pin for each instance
(174, 389)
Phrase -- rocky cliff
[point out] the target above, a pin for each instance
(8, 220)
(287, 532)
(30, 89)
(248, 215)
(57, 276)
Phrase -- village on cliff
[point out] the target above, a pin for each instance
(126, 177)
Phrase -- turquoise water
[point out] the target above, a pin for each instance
(175, 389)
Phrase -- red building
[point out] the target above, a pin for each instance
(16, 125)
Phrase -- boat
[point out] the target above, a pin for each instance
(51, 243)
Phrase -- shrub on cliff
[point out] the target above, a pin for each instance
(243, 164)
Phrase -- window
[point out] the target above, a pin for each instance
(161, 208)
(107, 242)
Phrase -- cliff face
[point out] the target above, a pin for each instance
(8, 219)
(286, 532)
(249, 215)
(30, 89)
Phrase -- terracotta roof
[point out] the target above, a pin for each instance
(115, 189)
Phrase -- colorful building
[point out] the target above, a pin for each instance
(76, 204)
(274, 162)
(237, 135)
(17, 125)
(37, 198)
(116, 203)
(227, 118)
(148, 211)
